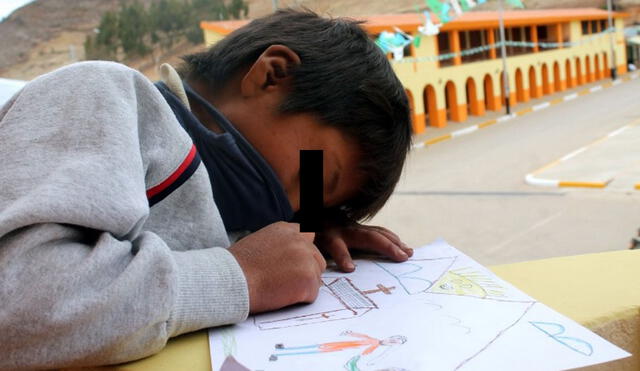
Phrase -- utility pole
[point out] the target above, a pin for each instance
(612, 36)
(503, 52)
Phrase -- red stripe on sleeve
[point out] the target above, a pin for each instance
(176, 174)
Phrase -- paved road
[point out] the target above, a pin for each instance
(471, 190)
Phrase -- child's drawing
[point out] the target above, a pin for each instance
(457, 315)
(555, 331)
(365, 345)
(352, 365)
(467, 282)
(418, 275)
(341, 300)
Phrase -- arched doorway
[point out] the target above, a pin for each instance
(557, 80)
(605, 64)
(474, 105)
(579, 75)
(431, 117)
(596, 64)
(587, 69)
(546, 87)
(454, 113)
(534, 88)
(417, 121)
(490, 101)
(521, 95)
(569, 77)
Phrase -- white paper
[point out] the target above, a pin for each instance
(438, 311)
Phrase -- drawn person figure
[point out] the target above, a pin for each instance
(364, 341)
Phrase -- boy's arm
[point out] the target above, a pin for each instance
(80, 283)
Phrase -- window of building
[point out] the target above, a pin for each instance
(473, 39)
(585, 25)
(595, 27)
(566, 32)
(547, 34)
(604, 24)
(444, 47)
(518, 34)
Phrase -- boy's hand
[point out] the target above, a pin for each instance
(282, 266)
(337, 240)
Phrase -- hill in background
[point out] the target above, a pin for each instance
(48, 34)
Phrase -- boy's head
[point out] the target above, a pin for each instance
(294, 80)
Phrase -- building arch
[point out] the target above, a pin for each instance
(596, 67)
(547, 88)
(579, 75)
(431, 115)
(417, 120)
(521, 94)
(557, 79)
(474, 105)
(588, 76)
(534, 87)
(605, 64)
(453, 108)
(490, 100)
(571, 82)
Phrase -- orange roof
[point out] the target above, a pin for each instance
(471, 20)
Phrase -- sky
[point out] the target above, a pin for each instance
(8, 6)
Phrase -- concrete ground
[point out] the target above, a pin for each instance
(471, 190)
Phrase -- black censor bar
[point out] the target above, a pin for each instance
(311, 190)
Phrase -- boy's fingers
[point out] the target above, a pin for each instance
(309, 236)
(395, 239)
(339, 251)
(371, 240)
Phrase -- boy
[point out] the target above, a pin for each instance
(121, 201)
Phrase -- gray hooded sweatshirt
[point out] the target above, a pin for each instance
(89, 273)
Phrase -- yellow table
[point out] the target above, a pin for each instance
(601, 291)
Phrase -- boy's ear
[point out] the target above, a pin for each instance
(272, 69)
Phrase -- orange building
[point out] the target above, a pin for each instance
(455, 74)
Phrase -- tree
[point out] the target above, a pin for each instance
(133, 27)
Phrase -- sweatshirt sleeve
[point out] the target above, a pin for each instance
(81, 282)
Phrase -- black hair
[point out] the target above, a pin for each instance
(343, 78)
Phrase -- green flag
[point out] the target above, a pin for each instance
(440, 9)
(516, 3)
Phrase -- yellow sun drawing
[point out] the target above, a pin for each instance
(467, 282)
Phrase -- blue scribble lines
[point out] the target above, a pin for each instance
(555, 331)
(414, 278)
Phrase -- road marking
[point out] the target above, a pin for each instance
(533, 180)
(557, 101)
(437, 139)
(487, 123)
(616, 82)
(570, 97)
(524, 111)
(506, 117)
(461, 132)
(540, 106)
(573, 154)
(584, 92)
(528, 230)
(618, 131)
(595, 88)
(583, 184)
